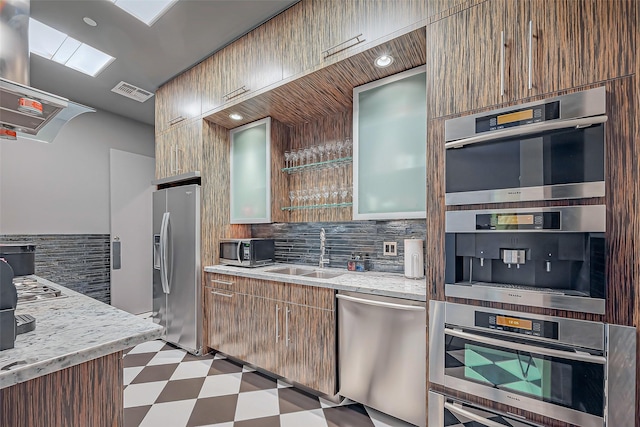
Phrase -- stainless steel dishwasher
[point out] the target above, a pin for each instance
(382, 354)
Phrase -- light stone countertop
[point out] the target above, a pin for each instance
(370, 282)
(69, 331)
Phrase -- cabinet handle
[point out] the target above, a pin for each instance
(222, 282)
(277, 323)
(358, 41)
(171, 160)
(176, 120)
(502, 63)
(177, 159)
(286, 325)
(222, 294)
(467, 414)
(530, 53)
(240, 91)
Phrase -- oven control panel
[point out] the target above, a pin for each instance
(519, 117)
(518, 325)
(518, 221)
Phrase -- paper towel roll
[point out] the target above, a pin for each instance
(413, 259)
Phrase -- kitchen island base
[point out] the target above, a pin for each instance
(88, 394)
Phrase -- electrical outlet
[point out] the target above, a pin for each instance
(390, 249)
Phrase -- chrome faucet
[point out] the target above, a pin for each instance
(323, 240)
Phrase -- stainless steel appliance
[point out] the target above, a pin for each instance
(445, 411)
(544, 257)
(247, 252)
(30, 290)
(177, 294)
(549, 149)
(575, 371)
(382, 354)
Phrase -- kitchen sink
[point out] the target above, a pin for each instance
(305, 272)
(295, 271)
(322, 274)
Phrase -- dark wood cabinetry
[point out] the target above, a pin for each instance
(283, 328)
(179, 100)
(506, 50)
(179, 150)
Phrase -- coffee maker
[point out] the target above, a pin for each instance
(545, 257)
(15, 260)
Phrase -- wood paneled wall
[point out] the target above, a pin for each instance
(89, 394)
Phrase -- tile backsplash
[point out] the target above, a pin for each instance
(80, 262)
(299, 243)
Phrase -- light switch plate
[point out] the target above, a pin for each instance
(390, 249)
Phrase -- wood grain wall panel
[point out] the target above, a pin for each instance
(330, 88)
(215, 193)
(89, 394)
(336, 127)
(279, 180)
(434, 244)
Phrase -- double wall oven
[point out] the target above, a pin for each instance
(551, 256)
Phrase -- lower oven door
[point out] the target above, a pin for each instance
(547, 379)
(447, 412)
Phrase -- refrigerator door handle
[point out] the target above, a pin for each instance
(164, 229)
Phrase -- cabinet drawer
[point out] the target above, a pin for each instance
(312, 296)
(227, 283)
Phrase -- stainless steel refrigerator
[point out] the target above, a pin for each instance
(177, 293)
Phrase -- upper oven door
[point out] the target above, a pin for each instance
(560, 164)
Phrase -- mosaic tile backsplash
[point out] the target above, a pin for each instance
(80, 262)
(299, 243)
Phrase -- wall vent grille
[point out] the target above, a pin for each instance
(131, 91)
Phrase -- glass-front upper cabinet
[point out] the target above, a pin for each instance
(390, 138)
(251, 173)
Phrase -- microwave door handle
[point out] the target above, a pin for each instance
(530, 129)
(579, 357)
(468, 414)
(238, 252)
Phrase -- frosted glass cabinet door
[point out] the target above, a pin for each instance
(251, 173)
(390, 140)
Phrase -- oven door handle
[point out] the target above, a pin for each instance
(601, 360)
(468, 414)
(533, 128)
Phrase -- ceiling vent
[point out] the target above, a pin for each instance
(131, 91)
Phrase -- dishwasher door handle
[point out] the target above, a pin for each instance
(381, 303)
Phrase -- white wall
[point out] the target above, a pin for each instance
(63, 187)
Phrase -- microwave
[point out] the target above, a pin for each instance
(546, 150)
(247, 252)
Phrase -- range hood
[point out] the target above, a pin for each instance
(26, 112)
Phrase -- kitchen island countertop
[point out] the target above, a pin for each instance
(69, 331)
(370, 282)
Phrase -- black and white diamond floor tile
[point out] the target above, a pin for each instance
(165, 386)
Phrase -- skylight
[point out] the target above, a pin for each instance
(57, 46)
(147, 11)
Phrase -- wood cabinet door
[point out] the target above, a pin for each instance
(466, 61)
(188, 140)
(310, 347)
(579, 42)
(235, 63)
(212, 89)
(222, 313)
(265, 45)
(179, 100)
(379, 18)
(163, 156)
(264, 332)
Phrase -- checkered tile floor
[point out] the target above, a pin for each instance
(165, 386)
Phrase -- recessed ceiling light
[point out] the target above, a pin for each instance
(57, 46)
(235, 116)
(384, 61)
(146, 11)
(90, 21)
